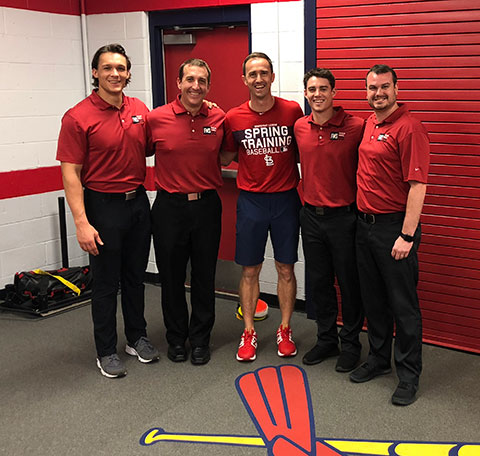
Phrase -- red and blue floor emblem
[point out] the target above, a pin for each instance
(279, 403)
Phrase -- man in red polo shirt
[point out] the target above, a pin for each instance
(394, 157)
(186, 137)
(328, 142)
(102, 149)
(261, 132)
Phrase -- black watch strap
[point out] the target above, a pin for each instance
(407, 237)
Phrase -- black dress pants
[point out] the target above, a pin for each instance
(184, 230)
(329, 250)
(390, 297)
(125, 229)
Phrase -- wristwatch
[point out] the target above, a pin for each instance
(407, 237)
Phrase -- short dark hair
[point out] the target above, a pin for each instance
(116, 49)
(319, 73)
(256, 55)
(195, 62)
(382, 69)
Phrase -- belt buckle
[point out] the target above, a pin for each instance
(193, 196)
(130, 195)
(370, 218)
(320, 211)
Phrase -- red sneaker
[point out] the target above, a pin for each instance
(247, 349)
(286, 346)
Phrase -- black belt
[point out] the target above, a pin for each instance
(127, 196)
(329, 210)
(381, 218)
(189, 196)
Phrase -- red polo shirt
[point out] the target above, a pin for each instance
(186, 147)
(109, 142)
(266, 148)
(328, 158)
(391, 153)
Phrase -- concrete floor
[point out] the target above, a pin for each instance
(54, 401)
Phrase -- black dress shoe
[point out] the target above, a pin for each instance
(405, 394)
(177, 353)
(367, 371)
(347, 361)
(200, 355)
(317, 354)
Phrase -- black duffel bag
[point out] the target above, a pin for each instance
(38, 290)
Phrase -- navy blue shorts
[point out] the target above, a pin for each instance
(259, 213)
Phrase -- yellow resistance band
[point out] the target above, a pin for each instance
(68, 284)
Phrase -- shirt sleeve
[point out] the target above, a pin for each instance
(229, 144)
(415, 155)
(299, 112)
(150, 145)
(72, 141)
(145, 112)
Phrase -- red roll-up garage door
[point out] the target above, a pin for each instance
(435, 48)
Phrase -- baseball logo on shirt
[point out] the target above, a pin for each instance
(383, 137)
(137, 119)
(268, 160)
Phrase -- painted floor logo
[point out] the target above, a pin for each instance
(279, 403)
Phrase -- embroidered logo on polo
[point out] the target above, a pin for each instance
(383, 137)
(335, 135)
(137, 119)
(266, 140)
(209, 130)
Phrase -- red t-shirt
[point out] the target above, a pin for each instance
(328, 158)
(186, 147)
(266, 147)
(391, 153)
(109, 142)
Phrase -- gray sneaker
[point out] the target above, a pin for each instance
(111, 366)
(143, 350)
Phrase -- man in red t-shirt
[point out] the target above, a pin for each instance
(260, 131)
(394, 157)
(186, 137)
(102, 148)
(327, 143)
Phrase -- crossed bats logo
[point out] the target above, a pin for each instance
(279, 403)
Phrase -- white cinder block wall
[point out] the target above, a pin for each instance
(131, 31)
(41, 76)
(277, 30)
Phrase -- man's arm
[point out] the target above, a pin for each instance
(227, 157)
(87, 235)
(416, 196)
(150, 144)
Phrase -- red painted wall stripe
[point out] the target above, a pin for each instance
(119, 6)
(30, 182)
(47, 6)
(42, 180)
